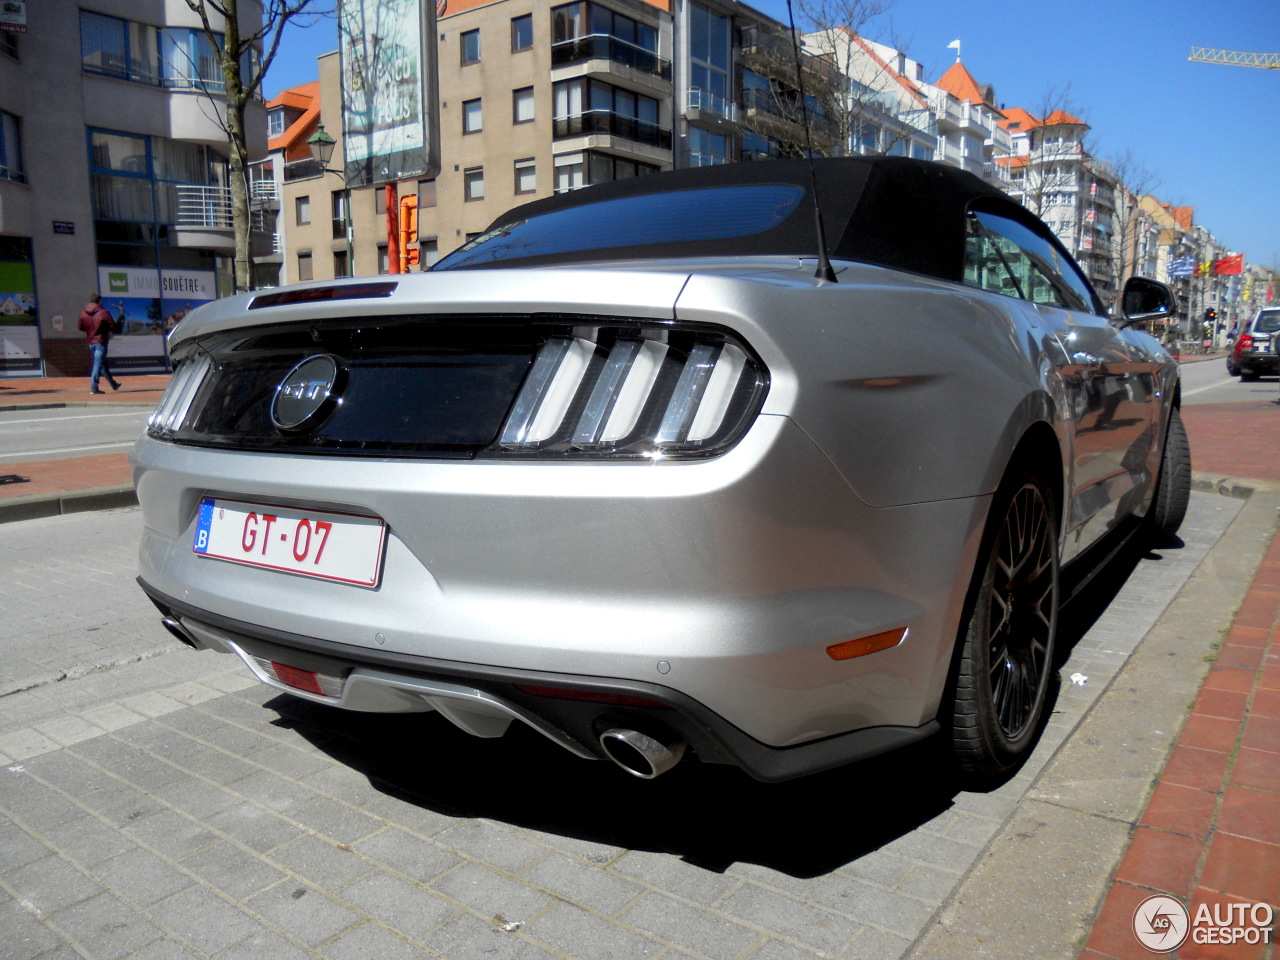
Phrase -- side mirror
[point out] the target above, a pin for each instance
(1146, 299)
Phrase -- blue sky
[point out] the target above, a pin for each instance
(1209, 133)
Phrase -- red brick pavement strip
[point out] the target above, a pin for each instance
(1235, 439)
(1211, 831)
(138, 390)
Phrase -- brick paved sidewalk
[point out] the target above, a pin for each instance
(1211, 831)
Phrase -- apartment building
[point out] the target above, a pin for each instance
(113, 177)
(540, 97)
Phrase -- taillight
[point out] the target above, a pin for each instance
(1246, 342)
(644, 392)
(173, 407)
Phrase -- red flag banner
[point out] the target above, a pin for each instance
(1229, 266)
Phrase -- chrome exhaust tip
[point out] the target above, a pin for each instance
(181, 633)
(640, 754)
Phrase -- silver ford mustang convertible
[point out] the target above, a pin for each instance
(652, 469)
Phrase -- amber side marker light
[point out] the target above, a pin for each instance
(862, 646)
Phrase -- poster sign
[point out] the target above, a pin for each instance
(390, 102)
(19, 326)
(148, 303)
(13, 15)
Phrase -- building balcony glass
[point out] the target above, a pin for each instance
(598, 46)
(612, 124)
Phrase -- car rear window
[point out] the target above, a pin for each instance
(716, 213)
(1268, 321)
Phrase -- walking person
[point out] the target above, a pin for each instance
(97, 324)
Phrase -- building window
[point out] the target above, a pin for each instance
(472, 119)
(117, 48)
(575, 170)
(426, 193)
(522, 105)
(275, 122)
(140, 183)
(709, 53)
(11, 166)
(584, 107)
(339, 202)
(304, 266)
(188, 60)
(302, 210)
(178, 57)
(341, 265)
(473, 183)
(471, 46)
(429, 252)
(588, 31)
(9, 43)
(384, 259)
(521, 33)
(526, 176)
(707, 149)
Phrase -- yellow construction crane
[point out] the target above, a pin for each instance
(1267, 61)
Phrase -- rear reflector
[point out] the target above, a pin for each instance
(306, 681)
(298, 679)
(862, 646)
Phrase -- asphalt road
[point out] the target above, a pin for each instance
(1207, 381)
(57, 434)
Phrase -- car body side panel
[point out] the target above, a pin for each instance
(917, 390)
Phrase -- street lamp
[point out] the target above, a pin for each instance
(321, 145)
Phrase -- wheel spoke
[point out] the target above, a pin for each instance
(1022, 604)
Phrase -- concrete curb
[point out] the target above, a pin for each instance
(72, 501)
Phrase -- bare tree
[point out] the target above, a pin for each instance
(242, 81)
(1134, 180)
(876, 105)
(1051, 167)
(856, 97)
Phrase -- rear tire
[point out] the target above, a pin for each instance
(1173, 489)
(1006, 655)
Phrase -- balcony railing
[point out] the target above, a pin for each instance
(612, 124)
(265, 191)
(711, 103)
(302, 169)
(700, 158)
(203, 207)
(601, 46)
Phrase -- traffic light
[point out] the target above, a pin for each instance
(408, 231)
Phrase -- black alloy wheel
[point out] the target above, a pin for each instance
(1007, 654)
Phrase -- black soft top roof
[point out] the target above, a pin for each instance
(896, 212)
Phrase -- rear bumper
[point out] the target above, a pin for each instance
(1258, 363)
(716, 586)
(483, 700)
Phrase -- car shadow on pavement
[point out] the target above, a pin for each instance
(709, 815)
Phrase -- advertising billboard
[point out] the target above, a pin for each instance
(390, 103)
(148, 303)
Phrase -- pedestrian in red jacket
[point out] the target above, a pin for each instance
(97, 324)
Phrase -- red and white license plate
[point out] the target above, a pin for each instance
(345, 547)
